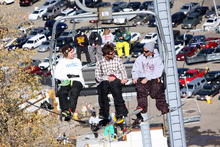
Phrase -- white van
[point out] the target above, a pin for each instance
(193, 87)
(34, 41)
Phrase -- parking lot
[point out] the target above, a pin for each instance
(203, 133)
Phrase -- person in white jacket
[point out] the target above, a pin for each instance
(69, 72)
(107, 37)
(146, 73)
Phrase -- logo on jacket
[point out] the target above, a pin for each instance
(81, 39)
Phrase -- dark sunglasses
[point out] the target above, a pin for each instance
(146, 51)
(111, 53)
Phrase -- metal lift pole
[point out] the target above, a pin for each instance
(175, 119)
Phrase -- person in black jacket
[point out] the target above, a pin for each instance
(81, 43)
(95, 41)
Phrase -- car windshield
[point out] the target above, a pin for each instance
(183, 50)
(210, 21)
(30, 41)
(62, 14)
(115, 5)
(190, 18)
(188, 75)
(207, 89)
(46, 43)
(35, 12)
(33, 33)
(147, 37)
(185, 7)
(193, 40)
(49, 10)
(46, 4)
(133, 35)
(46, 60)
(210, 75)
(190, 86)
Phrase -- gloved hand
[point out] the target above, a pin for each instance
(65, 83)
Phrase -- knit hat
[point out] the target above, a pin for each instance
(149, 46)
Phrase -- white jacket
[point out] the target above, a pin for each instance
(69, 66)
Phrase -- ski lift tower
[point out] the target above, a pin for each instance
(175, 119)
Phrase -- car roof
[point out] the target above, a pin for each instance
(194, 81)
(36, 36)
(67, 10)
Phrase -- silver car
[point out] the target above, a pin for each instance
(44, 47)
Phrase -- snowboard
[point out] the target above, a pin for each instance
(48, 110)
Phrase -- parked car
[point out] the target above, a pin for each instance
(211, 22)
(132, 6)
(208, 44)
(6, 2)
(62, 41)
(34, 41)
(67, 33)
(52, 12)
(187, 8)
(208, 90)
(145, 4)
(141, 19)
(211, 12)
(60, 26)
(79, 12)
(196, 40)
(48, 4)
(191, 74)
(178, 18)
(36, 31)
(27, 2)
(149, 37)
(135, 36)
(45, 64)
(44, 47)
(18, 43)
(24, 31)
(212, 76)
(193, 87)
(120, 4)
(180, 39)
(137, 50)
(67, 12)
(37, 14)
(192, 21)
(186, 51)
(201, 10)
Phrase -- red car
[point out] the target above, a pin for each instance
(189, 51)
